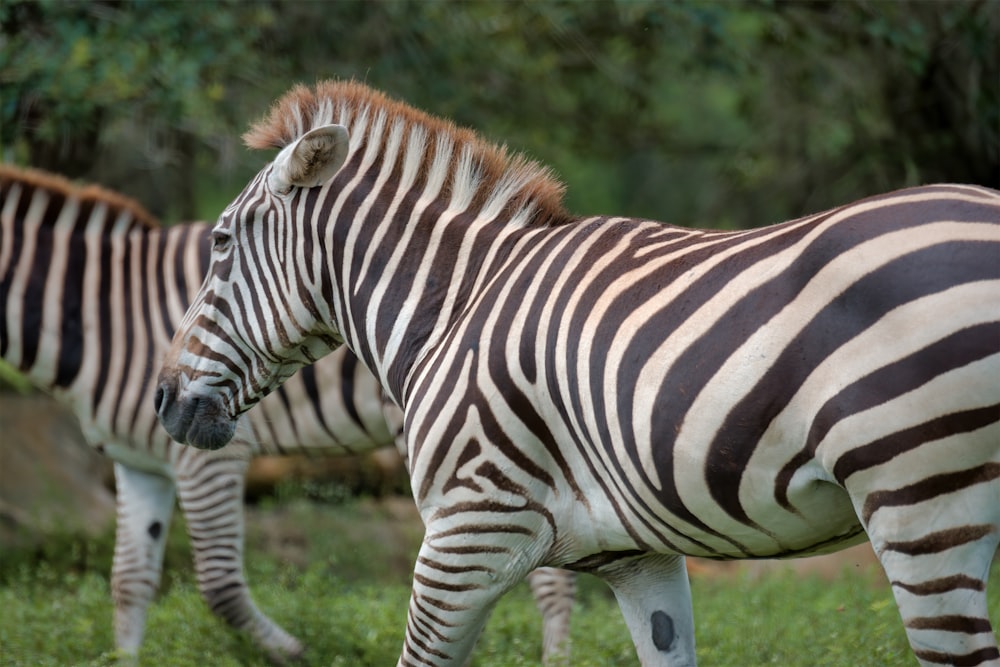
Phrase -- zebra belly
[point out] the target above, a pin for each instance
(823, 520)
(827, 523)
(685, 517)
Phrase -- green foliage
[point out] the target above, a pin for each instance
(695, 112)
(11, 379)
(346, 595)
(79, 77)
(67, 64)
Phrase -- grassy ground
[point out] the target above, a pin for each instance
(337, 576)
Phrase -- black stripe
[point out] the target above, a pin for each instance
(348, 368)
(942, 585)
(969, 625)
(966, 660)
(886, 448)
(307, 375)
(931, 487)
(34, 292)
(71, 327)
(15, 242)
(941, 540)
(179, 274)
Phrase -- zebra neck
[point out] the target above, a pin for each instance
(402, 293)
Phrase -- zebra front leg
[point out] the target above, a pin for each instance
(937, 557)
(145, 505)
(655, 599)
(210, 490)
(459, 576)
(554, 590)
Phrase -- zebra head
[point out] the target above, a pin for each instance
(253, 323)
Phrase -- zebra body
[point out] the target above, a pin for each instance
(609, 394)
(112, 284)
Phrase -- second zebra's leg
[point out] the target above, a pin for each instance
(554, 590)
(145, 505)
(655, 599)
(210, 491)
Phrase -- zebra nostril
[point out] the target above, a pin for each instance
(162, 398)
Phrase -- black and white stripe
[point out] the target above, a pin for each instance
(90, 291)
(609, 394)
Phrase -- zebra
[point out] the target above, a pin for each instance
(608, 394)
(113, 284)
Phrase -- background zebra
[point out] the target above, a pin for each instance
(606, 394)
(113, 284)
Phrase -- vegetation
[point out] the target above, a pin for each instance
(11, 379)
(338, 577)
(692, 112)
(697, 112)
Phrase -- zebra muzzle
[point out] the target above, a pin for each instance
(200, 421)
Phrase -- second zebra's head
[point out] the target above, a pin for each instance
(254, 322)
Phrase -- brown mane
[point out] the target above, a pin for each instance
(85, 192)
(304, 108)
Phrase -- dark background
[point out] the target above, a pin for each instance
(703, 113)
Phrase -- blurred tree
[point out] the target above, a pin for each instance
(721, 114)
(77, 77)
(854, 98)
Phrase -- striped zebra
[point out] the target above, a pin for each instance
(610, 394)
(91, 289)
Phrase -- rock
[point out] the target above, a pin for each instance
(51, 480)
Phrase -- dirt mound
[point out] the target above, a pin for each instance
(51, 480)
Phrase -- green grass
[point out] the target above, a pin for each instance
(337, 576)
(11, 378)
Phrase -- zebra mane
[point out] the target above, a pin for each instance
(494, 177)
(44, 180)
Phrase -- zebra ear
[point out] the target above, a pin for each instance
(312, 160)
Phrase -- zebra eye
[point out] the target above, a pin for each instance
(221, 241)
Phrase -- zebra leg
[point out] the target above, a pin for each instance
(145, 504)
(210, 490)
(937, 559)
(457, 580)
(655, 599)
(554, 590)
